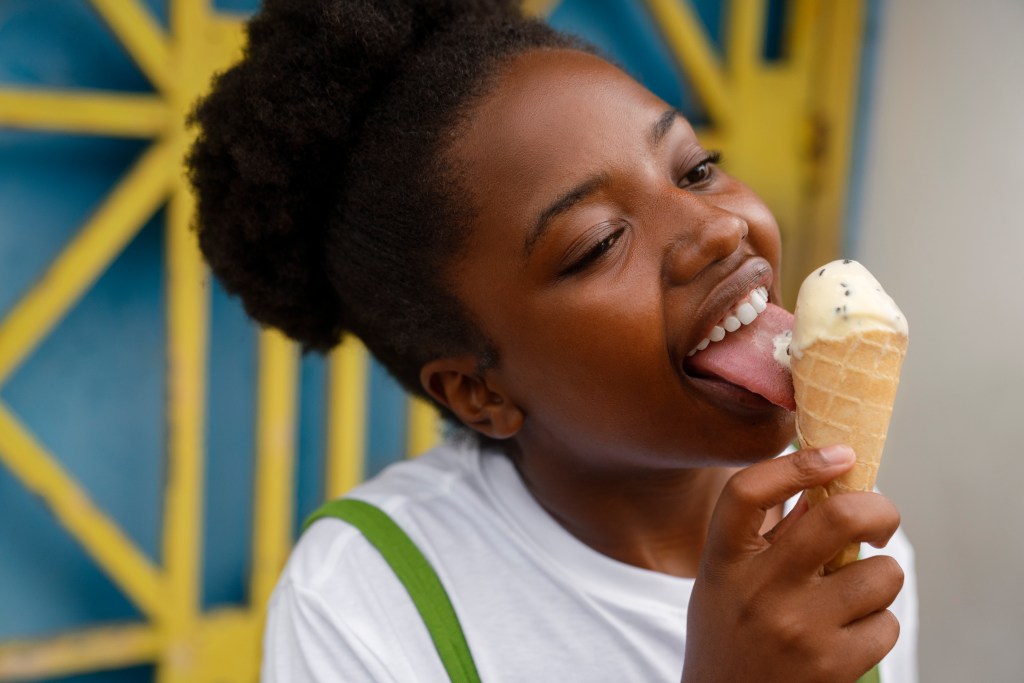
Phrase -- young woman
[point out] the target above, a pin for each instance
(529, 238)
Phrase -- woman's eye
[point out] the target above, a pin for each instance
(702, 171)
(595, 253)
(698, 174)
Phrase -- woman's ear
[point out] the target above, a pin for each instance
(457, 384)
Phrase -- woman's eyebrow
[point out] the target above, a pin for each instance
(576, 194)
(664, 123)
(565, 202)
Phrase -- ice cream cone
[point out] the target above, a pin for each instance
(844, 390)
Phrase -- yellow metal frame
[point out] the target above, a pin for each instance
(185, 643)
(786, 128)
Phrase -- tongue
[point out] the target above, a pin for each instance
(746, 358)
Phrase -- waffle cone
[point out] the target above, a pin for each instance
(844, 392)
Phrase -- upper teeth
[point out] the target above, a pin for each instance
(743, 313)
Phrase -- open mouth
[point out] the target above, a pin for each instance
(737, 358)
(744, 312)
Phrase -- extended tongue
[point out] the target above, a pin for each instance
(746, 358)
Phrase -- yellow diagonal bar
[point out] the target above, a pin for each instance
(348, 374)
(95, 649)
(187, 321)
(119, 218)
(104, 540)
(275, 462)
(424, 428)
(84, 111)
(689, 43)
(141, 36)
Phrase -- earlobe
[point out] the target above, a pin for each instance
(456, 384)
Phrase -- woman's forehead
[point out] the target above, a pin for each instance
(547, 101)
(553, 118)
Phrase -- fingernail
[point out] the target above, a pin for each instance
(837, 455)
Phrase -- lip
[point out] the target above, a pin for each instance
(752, 272)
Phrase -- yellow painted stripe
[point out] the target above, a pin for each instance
(101, 537)
(82, 111)
(689, 43)
(227, 646)
(187, 311)
(837, 73)
(275, 461)
(94, 649)
(185, 16)
(199, 54)
(118, 219)
(800, 33)
(348, 377)
(745, 41)
(424, 427)
(141, 36)
(226, 34)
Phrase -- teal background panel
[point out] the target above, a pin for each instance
(231, 443)
(627, 33)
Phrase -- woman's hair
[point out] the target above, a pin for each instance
(327, 200)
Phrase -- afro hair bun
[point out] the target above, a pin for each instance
(274, 135)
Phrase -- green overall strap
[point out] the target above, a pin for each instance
(423, 585)
(870, 677)
(418, 577)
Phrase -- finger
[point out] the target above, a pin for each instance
(751, 492)
(833, 524)
(787, 522)
(870, 639)
(861, 588)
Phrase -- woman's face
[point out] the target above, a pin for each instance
(604, 247)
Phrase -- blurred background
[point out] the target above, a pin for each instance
(158, 452)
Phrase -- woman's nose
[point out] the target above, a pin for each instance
(701, 236)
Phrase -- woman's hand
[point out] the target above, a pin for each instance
(762, 608)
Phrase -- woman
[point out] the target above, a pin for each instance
(526, 236)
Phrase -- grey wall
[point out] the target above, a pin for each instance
(941, 225)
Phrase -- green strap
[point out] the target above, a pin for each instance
(870, 677)
(418, 577)
(423, 585)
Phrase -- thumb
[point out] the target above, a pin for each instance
(751, 492)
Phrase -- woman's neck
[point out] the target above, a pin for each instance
(656, 520)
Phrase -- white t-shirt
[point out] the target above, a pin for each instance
(535, 603)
